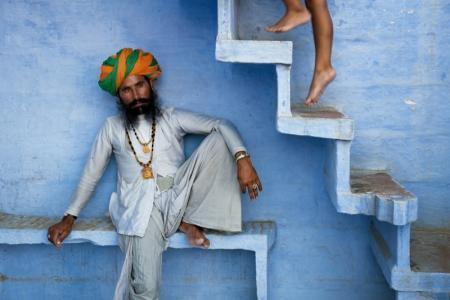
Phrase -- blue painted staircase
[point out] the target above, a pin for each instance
(417, 268)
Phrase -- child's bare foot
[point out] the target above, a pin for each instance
(320, 81)
(290, 20)
(195, 235)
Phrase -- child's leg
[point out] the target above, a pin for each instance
(296, 14)
(323, 39)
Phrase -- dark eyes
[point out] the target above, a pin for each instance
(126, 90)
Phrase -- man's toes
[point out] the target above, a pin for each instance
(199, 241)
(206, 243)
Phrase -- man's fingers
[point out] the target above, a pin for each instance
(255, 193)
(51, 235)
(259, 184)
(55, 237)
(250, 192)
(242, 187)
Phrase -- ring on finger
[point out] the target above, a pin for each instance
(255, 186)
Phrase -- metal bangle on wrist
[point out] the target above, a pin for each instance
(242, 155)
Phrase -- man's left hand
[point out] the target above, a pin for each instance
(248, 178)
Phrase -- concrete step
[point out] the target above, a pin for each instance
(257, 236)
(316, 121)
(378, 183)
(322, 122)
(381, 196)
(415, 262)
(430, 250)
(258, 52)
(369, 192)
(18, 229)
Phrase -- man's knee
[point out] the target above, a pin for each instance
(146, 277)
(148, 290)
(147, 261)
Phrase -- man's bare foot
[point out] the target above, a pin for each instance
(290, 20)
(320, 81)
(195, 235)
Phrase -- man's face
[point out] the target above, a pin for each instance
(134, 87)
(135, 95)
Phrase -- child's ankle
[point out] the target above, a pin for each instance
(296, 10)
(325, 68)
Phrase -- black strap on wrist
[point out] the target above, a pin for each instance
(74, 217)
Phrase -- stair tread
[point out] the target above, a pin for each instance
(13, 221)
(430, 250)
(321, 122)
(325, 112)
(379, 183)
(249, 51)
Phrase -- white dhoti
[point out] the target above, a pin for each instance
(205, 192)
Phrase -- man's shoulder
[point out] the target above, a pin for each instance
(167, 110)
(171, 111)
(113, 123)
(114, 119)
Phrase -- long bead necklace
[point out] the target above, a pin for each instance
(147, 172)
(144, 145)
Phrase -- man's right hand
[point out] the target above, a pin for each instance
(59, 231)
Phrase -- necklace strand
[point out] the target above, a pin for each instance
(137, 137)
(147, 172)
(144, 145)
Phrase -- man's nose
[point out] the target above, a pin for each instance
(135, 94)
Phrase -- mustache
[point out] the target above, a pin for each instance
(140, 101)
(140, 106)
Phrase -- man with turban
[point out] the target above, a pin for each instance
(158, 192)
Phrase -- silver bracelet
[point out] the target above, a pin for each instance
(241, 156)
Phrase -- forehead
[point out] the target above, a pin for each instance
(131, 80)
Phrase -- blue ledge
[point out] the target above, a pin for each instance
(430, 263)
(368, 192)
(383, 197)
(14, 229)
(257, 236)
(322, 122)
(257, 52)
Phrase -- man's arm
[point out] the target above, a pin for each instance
(189, 122)
(94, 168)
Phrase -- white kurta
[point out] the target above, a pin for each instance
(130, 207)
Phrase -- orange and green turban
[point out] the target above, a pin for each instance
(126, 62)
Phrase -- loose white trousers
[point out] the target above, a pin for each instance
(205, 193)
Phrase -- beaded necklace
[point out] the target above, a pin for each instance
(147, 172)
(144, 145)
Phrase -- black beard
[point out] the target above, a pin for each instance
(147, 107)
(138, 107)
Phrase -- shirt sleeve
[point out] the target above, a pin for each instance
(190, 122)
(93, 170)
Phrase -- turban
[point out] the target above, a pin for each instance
(126, 62)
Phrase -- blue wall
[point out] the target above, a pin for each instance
(392, 79)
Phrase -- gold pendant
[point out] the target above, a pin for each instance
(146, 149)
(147, 172)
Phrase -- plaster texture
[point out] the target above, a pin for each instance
(392, 79)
